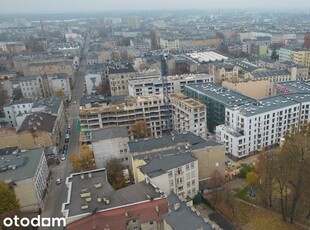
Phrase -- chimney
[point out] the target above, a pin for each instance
(176, 206)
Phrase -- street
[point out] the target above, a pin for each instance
(57, 194)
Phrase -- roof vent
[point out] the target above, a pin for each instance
(176, 206)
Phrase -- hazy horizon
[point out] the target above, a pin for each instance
(60, 6)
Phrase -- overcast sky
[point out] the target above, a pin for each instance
(53, 6)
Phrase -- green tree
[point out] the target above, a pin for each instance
(251, 177)
(115, 173)
(274, 56)
(245, 170)
(8, 200)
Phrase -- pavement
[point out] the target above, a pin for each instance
(57, 194)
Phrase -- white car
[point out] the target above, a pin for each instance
(69, 126)
(63, 157)
(58, 181)
(74, 102)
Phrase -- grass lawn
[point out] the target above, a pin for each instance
(250, 218)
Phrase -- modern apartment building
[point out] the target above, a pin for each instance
(151, 110)
(175, 84)
(217, 98)
(188, 114)
(259, 125)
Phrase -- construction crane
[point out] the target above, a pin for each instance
(165, 93)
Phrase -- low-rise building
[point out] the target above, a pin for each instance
(223, 71)
(92, 201)
(28, 171)
(176, 173)
(92, 81)
(108, 143)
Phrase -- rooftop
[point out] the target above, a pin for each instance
(95, 185)
(20, 101)
(127, 69)
(20, 166)
(220, 94)
(158, 166)
(190, 102)
(183, 217)
(38, 121)
(207, 56)
(49, 105)
(109, 133)
(294, 87)
(270, 73)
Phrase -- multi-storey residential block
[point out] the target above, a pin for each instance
(169, 43)
(216, 98)
(285, 54)
(150, 109)
(188, 115)
(223, 71)
(28, 171)
(176, 173)
(307, 41)
(153, 85)
(118, 79)
(261, 124)
(59, 85)
(12, 47)
(301, 57)
(34, 87)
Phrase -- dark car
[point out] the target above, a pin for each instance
(65, 150)
(66, 140)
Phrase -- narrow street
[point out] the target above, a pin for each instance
(57, 194)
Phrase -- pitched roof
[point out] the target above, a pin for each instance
(109, 133)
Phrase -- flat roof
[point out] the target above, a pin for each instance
(158, 166)
(109, 133)
(206, 56)
(50, 105)
(125, 196)
(270, 73)
(220, 94)
(294, 87)
(21, 165)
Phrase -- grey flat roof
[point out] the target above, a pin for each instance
(51, 105)
(220, 94)
(128, 195)
(270, 73)
(158, 166)
(26, 164)
(183, 218)
(152, 143)
(92, 99)
(273, 103)
(109, 133)
(295, 86)
(20, 101)
(38, 121)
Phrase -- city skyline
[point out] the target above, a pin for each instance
(52, 6)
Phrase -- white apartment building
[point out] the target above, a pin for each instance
(259, 125)
(149, 109)
(175, 84)
(169, 44)
(60, 85)
(33, 87)
(188, 114)
(92, 81)
(174, 173)
(17, 109)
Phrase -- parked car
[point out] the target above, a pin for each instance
(66, 140)
(58, 181)
(69, 126)
(63, 157)
(65, 150)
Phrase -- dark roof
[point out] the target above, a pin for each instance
(159, 166)
(49, 105)
(20, 101)
(128, 195)
(109, 133)
(93, 99)
(38, 121)
(270, 73)
(196, 142)
(183, 217)
(8, 151)
(128, 69)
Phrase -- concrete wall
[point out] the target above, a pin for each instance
(26, 194)
(253, 89)
(210, 159)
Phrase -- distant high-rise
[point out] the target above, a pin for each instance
(307, 40)
(134, 22)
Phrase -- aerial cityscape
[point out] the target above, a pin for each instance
(155, 115)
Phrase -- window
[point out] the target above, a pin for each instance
(193, 182)
(170, 183)
(188, 176)
(192, 165)
(187, 167)
(151, 222)
(193, 174)
(170, 174)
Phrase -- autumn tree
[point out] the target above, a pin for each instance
(104, 88)
(140, 130)
(8, 200)
(83, 161)
(59, 93)
(265, 169)
(216, 183)
(293, 169)
(115, 174)
(33, 45)
(251, 177)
